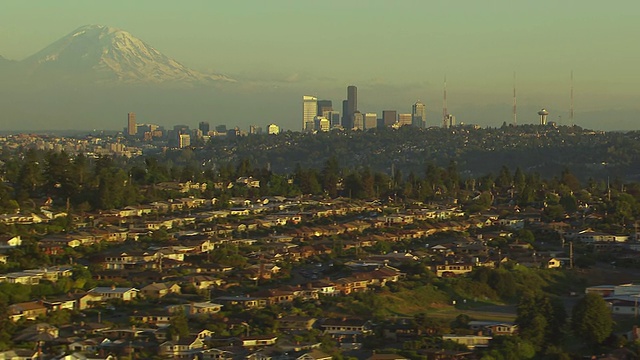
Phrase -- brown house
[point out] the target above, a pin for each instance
(26, 310)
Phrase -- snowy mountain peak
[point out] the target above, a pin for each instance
(106, 54)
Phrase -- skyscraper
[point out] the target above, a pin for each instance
(358, 121)
(204, 127)
(389, 117)
(345, 119)
(309, 111)
(419, 115)
(323, 106)
(349, 107)
(132, 127)
(352, 99)
(370, 121)
(404, 119)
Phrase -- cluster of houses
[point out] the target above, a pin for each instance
(278, 230)
(622, 299)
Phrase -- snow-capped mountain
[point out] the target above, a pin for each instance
(107, 55)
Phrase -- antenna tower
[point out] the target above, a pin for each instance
(515, 113)
(444, 105)
(571, 111)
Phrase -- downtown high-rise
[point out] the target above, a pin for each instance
(419, 115)
(309, 111)
(132, 127)
(349, 107)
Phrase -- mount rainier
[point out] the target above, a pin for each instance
(105, 55)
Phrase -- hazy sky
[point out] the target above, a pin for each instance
(396, 52)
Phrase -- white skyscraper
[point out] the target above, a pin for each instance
(309, 111)
(419, 115)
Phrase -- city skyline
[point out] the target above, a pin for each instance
(275, 61)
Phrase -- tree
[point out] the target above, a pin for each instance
(540, 319)
(179, 325)
(330, 175)
(591, 319)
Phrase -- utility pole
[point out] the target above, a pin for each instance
(571, 255)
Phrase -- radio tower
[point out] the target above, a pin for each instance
(515, 113)
(571, 110)
(444, 105)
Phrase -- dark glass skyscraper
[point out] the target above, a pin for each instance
(350, 107)
(324, 105)
(204, 127)
(389, 117)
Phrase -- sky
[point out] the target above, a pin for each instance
(396, 52)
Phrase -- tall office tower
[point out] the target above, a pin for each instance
(323, 106)
(333, 116)
(132, 128)
(404, 119)
(221, 129)
(309, 111)
(358, 121)
(204, 127)
(352, 99)
(419, 115)
(370, 121)
(184, 140)
(346, 120)
(389, 117)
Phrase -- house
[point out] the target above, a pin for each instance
(344, 326)
(40, 332)
(120, 293)
(590, 237)
(552, 263)
(90, 345)
(10, 241)
(444, 270)
(349, 285)
(185, 348)
(86, 300)
(24, 278)
(348, 332)
(26, 310)
(20, 354)
(246, 302)
(153, 318)
(275, 296)
(494, 328)
(296, 323)
(158, 290)
(67, 302)
(377, 356)
(440, 354)
(470, 341)
(203, 282)
(602, 290)
(258, 341)
(3, 258)
(216, 354)
(196, 308)
(314, 354)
